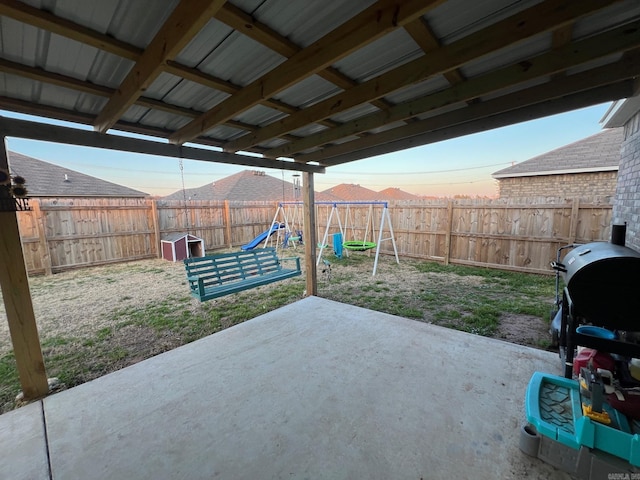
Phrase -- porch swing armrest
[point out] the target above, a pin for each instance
(297, 259)
(194, 280)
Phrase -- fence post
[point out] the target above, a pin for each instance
(227, 223)
(42, 236)
(447, 237)
(573, 226)
(156, 227)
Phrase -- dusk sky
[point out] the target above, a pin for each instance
(461, 166)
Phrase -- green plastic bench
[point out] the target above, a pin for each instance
(214, 276)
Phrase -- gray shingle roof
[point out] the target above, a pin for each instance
(45, 179)
(248, 185)
(353, 193)
(599, 152)
(394, 193)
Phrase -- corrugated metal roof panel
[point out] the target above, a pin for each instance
(595, 63)
(386, 53)
(136, 113)
(206, 41)
(259, 115)
(440, 111)
(224, 132)
(508, 55)
(156, 118)
(109, 70)
(516, 88)
(162, 86)
(389, 126)
(276, 142)
(24, 51)
(309, 130)
(307, 92)
(617, 13)
(137, 22)
(417, 90)
(305, 22)
(192, 95)
(240, 60)
(456, 19)
(355, 112)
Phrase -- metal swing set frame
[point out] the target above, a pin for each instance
(385, 219)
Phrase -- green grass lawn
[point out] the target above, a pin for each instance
(464, 298)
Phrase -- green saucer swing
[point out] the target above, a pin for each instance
(357, 246)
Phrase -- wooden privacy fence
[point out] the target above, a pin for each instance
(61, 234)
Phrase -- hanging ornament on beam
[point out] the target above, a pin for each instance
(13, 193)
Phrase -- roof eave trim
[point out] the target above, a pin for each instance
(613, 168)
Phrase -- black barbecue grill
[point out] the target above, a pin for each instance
(601, 288)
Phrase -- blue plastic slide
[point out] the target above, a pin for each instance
(261, 238)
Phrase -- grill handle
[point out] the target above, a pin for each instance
(558, 267)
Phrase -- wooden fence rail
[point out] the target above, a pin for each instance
(61, 234)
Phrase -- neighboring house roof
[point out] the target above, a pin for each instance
(620, 112)
(353, 193)
(248, 185)
(44, 179)
(394, 193)
(597, 153)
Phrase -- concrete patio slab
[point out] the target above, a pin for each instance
(316, 389)
(23, 447)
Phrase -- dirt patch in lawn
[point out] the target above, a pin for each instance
(524, 330)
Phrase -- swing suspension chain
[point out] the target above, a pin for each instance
(184, 196)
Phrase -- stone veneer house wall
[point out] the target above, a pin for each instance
(626, 207)
(587, 168)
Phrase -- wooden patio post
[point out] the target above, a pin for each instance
(17, 300)
(310, 234)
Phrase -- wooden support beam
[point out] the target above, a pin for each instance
(73, 136)
(540, 18)
(373, 23)
(14, 284)
(568, 56)
(185, 22)
(309, 234)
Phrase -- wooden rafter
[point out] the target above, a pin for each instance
(622, 89)
(22, 106)
(66, 28)
(71, 83)
(627, 68)
(540, 18)
(47, 21)
(183, 24)
(570, 55)
(427, 41)
(247, 25)
(196, 76)
(371, 24)
(561, 37)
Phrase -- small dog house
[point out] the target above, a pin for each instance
(178, 246)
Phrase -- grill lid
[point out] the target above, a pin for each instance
(603, 281)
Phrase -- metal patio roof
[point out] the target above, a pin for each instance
(320, 82)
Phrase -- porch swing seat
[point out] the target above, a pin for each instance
(357, 246)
